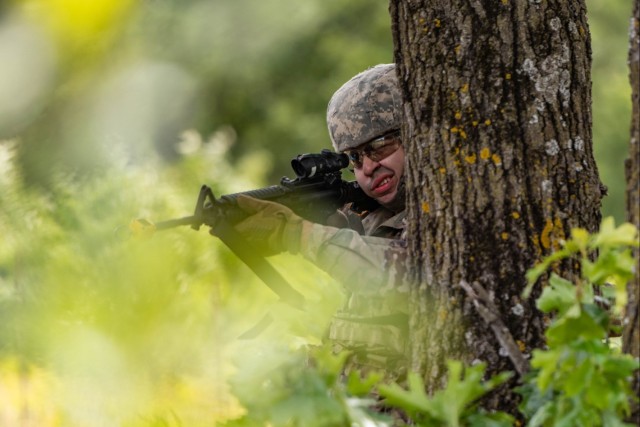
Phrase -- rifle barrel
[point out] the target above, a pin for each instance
(187, 220)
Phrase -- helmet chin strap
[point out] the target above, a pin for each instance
(397, 204)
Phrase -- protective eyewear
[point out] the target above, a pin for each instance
(376, 149)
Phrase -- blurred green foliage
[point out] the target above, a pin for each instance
(580, 378)
(106, 328)
(114, 109)
(609, 23)
(266, 70)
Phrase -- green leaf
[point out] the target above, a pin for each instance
(483, 419)
(599, 315)
(560, 295)
(611, 419)
(600, 393)
(541, 415)
(414, 399)
(610, 264)
(546, 362)
(580, 238)
(533, 399)
(569, 329)
(534, 273)
(571, 414)
(620, 366)
(579, 377)
(624, 235)
(358, 386)
(448, 406)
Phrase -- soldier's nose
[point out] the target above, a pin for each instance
(368, 165)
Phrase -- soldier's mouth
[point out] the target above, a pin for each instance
(382, 185)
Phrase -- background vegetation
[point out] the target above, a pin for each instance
(115, 109)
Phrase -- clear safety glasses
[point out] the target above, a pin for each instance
(376, 149)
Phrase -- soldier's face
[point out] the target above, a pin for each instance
(380, 179)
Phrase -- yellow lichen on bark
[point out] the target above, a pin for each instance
(545, 236)
(552, 234)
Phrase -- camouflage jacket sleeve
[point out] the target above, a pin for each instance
(363, 264)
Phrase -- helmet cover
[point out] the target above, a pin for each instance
(366, 107)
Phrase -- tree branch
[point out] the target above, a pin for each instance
(490, 314)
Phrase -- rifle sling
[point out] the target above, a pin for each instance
(258, 264)
(258, 328)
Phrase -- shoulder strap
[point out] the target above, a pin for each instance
(260, 266)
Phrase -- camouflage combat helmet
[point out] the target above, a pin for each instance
(366, 107)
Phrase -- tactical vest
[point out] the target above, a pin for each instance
(373, 328)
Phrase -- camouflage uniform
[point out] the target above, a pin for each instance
(374, 327)
(373, 324)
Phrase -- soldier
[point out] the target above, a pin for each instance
(364, 118)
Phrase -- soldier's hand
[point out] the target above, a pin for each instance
(348, 219)
(272, 227)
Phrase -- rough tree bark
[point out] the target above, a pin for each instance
(497, 98)
(631, 331)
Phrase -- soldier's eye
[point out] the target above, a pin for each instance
(355, 159)
(376, 149)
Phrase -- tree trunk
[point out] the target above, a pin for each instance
(497, 104)
(631, 331)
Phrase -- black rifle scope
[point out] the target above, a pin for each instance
(308, 165)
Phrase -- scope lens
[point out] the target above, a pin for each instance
(298, 168)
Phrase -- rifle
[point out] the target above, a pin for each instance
(316, 192)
